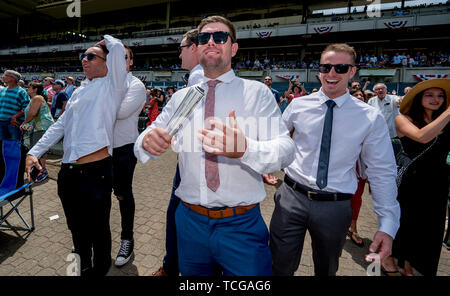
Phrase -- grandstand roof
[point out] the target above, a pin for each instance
(57, 8)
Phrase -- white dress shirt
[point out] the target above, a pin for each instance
(88, 121)
(389, 109)
(196, 75)
(358, 130)
(269, 147)
(126, 126)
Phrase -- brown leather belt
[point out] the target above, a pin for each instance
(219, 214)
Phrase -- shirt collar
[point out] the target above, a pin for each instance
(226, 77)
(198, 67)
(339, 100)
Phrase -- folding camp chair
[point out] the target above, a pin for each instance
(13, 190)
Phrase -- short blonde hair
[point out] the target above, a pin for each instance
(341, 47)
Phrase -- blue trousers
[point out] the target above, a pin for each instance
(234, 246)
(170, 262)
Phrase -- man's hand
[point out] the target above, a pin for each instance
(232, 143)
(14, 121)
(30, 162)
(382, 242)
(156, 141)
(269, 179)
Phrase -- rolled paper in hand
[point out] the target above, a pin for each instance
(188, 104)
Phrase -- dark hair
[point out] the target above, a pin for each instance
(354, 90)
(416, 111)
(191, 36)
(40, 89)
(103, 48)
(131, 52)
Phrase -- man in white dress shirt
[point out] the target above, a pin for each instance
(189, 61)
(387, 104)
(219, 226)
(124, 161)
(85, 178)
(331, 130)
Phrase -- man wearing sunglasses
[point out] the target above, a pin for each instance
(85, 178)
(124, 161)
(189, 61)
(268, 82)
(219, 226)
(332, 130)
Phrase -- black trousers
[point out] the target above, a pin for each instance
(124, 163)
(85, 193)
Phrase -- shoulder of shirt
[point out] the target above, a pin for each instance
(254, 84)
(314, 97)
(136, 82)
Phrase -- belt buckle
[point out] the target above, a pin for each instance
(310, 193)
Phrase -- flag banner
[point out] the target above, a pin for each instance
(173, 39)
(422, 77)
(323, 30)
(287, 77)
(264, 35)
(395, 25)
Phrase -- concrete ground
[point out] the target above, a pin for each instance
(44, 252)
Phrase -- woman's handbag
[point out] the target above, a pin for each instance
(404, 162)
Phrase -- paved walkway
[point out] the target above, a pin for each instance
(45, 250)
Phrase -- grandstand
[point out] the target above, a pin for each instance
(284, 37)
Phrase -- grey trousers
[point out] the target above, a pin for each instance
(326, 221)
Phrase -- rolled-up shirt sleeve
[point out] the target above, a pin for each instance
(272, 149)
(378, 156)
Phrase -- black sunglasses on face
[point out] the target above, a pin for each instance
(180, 48)
(90, 56)
(339, 68)
(219, 37)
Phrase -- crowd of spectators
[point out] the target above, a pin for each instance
(405, 59)
(395, 60)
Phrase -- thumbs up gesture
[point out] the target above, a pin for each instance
(229, 141)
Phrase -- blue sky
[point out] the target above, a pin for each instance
(383, 6)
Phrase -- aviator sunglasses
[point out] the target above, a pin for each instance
(339, 68)
(219, 37)
(90, 56)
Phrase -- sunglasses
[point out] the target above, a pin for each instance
(180, 48)
(219, 37)
(90, 56)
(339, 68)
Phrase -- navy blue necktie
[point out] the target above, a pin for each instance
(324, 156)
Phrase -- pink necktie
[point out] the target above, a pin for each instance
(211, 165)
